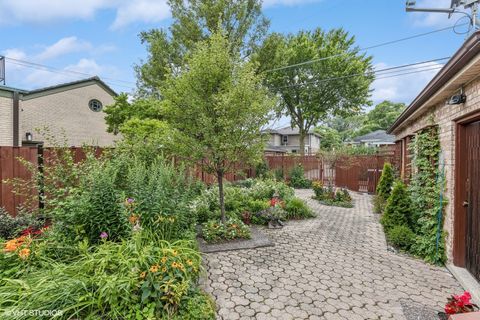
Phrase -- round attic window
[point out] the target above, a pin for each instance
(95, 105)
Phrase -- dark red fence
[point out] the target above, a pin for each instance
(357, 173)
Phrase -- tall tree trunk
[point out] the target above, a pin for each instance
(221, 195)
(302, 141)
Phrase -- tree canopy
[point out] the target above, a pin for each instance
(219, 106)
(381, 117)
(336, 84)
(241, 21)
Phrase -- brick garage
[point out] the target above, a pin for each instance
(459, 76)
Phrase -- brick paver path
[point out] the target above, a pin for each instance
(335, 266)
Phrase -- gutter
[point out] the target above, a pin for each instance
(467, 52)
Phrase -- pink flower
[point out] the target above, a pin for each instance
(103, 235)
(465, 297)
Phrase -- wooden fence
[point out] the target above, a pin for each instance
(357, 173)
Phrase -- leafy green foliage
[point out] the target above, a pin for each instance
(297, 178)
(401, 237)
(296, 208)
(398, 211)
(219, 105)
(141, 276)
(385, 184)
(381, 117)
(199, 306)
(331, 196)
(11, 227)
(306, 96)
(194, 22)
(233, 228)
(427, 184)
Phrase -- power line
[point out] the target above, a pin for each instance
(39, 66)
(366, 48)
(356, 75)
(385, 71)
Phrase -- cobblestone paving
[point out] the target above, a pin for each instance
(335, 266)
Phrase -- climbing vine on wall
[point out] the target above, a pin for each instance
(426, 189)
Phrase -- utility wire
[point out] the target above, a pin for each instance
(366, 48)
(39, 66)
(400, 69)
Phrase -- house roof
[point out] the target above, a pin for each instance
(376, 136)
(462, 68)
(29, 94)
(289, 131)
(272, 148)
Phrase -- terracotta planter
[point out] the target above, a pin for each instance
(465, 316)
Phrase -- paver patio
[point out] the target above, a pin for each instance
(335, 266)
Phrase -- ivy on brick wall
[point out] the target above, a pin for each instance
(426, 189)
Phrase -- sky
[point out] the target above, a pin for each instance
(100, 37)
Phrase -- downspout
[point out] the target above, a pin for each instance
(16, 118)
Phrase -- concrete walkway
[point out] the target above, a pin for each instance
(335, 266)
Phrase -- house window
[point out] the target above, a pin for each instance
(285, 139)
(95, 105)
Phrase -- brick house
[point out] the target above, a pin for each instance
(459, 129)
(70, 110)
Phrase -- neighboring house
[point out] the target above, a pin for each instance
(70, 110)
(288, 140)
(376, 138)
(459, 129)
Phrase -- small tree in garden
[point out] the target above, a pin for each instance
(385, 184)
(398, 211)
(219, 106)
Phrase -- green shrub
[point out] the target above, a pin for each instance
(264, 189)
(297, 178)
(278, 174)
(398, 211)
(385, 184)
(401, 237)
(378, 204)
(199, 306)
(296, 208)
(233, 228)
(143, 277)
(11, 227)
(261, 169)
(162, 198)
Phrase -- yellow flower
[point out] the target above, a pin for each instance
(154, 268)
(175, 253)
(174, 265)
(143, 275)
(189, 262)
(24, 253)
(164, 269)
(171, 219)
(164, 259)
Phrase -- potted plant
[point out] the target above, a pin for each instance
(458, 304)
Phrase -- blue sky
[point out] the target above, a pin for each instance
(100, 37)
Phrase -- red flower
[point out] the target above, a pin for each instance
(449, 309)
(465, 297)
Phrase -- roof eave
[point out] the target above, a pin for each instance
(467, 51)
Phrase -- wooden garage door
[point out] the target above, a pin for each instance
(472, 135)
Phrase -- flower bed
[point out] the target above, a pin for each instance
(216, 231)
(331, 196)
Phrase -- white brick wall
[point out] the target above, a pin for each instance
(444, 116)
(68, 111)
(6, 121)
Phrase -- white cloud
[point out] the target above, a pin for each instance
(141, 10)
(402, 88)
(62, 47)
(51, 11)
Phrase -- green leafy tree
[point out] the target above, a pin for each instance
(219, 106)
(398, 211)
(337, 85)
(381, 117)
(193, 21)
(331, 138)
